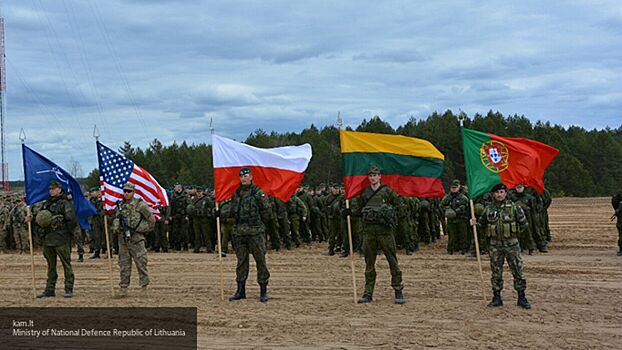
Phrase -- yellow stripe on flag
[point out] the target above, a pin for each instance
(353, 141)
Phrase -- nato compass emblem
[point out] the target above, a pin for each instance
(494, 156)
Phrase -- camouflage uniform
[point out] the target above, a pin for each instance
(305, 220)
(133, 220)
(424, 221)
(502, 222)
(333, 211)
(527, 238)
(378, 225)
(616, 202)
(404, 227)
(160, 241)
(201, 211)
(226, 226)
(457, 227)
(317, 232)
(250, 208)
(296, 211)
(278, 225)
(178, 219)
(20, 227)
(5, 220)
(96, 234)
(56, 241)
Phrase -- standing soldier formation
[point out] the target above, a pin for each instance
(616, 202)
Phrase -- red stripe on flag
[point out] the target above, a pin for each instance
(275, 182)
(409, 186)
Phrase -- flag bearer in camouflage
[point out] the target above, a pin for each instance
(132, 221)
(250, 209)
(616, 202)
(20, 225)
(201, 212)
(379, 203)
(503, 220)
(456, 208)
(57, 220)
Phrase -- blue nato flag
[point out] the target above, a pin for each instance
(39, 171)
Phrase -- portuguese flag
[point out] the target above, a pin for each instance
(490, 159)
(410, 166)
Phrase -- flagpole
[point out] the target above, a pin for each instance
(32, 254)
(22, 137)
(109, 253)
(477, 252)
(479, 258)
(222, 279)
(340, 122)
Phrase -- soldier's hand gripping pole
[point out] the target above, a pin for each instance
(479, 258)
(351, 250)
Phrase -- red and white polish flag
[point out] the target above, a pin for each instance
(277, 171)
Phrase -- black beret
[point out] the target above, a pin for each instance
(498, 187)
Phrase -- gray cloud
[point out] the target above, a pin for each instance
(155, 69)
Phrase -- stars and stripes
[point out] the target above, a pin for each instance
(115, 170)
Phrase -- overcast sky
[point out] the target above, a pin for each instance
(145, 69)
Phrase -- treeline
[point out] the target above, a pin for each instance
(589, 162)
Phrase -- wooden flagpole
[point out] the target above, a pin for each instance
(222, 279)
(479, 258)
(109, 253)
(32, 254)
(351, 251)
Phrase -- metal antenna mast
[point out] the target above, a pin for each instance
(5, 164)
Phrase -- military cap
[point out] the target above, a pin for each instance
(455, 183)
(128, 186)
(373, 169)
(245, 171)
(321, 185)
(334, 184)
(498, 187)
(94, 189)
(55, 184)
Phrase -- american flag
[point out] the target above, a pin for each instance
(116, 170)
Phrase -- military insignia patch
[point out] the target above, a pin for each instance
(494, 155)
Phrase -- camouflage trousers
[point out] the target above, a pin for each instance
(380, 237)
(20, 235)
(619, 226)
(226, 231)
(509, 250)
(3, 235)
(244, 245)
(63, 252)
(160, 241)
(457, 231)
(133, 250)
(334, 236)
(294, 227)
(78, 237)
(202, 234)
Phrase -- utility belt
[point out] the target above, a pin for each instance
(507, 243)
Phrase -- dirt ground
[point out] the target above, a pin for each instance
(575, 291)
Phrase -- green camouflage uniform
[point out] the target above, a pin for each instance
(457, 227)
(333, 211)
(279, 222)
(160, 241)
(404, 226)
(56, 240)
(296, 211)
(502, 222)
(424, 220)
(96, 234)
(379, 221)
(616, 202)
(201, 212)
(133, 218)
(20, 227)
(527, 238)
(5, 220)
(178, 235)
(317, 232)
(226, 225)
(250, 209)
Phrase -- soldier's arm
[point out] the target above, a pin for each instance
(147, 215)
(303, 207)
(69, 215)
(521, 218)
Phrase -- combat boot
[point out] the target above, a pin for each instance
(366, 298)
(263, 293)
(95, 255)
(619, 253)
(522, 300)
(344, 254)
(543, 249)
(240, 293)
(331, 251)
(399, 297)
(496, 300)
(47, 294)
(80, 257)
(68, 293)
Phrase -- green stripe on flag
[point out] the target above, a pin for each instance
(357, 163)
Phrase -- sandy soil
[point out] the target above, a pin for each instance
(575, 291)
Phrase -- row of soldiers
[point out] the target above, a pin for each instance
(535, 205)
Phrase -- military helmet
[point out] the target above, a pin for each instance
(425, 204)
(479, 208)
(450, 213)
(44, 218)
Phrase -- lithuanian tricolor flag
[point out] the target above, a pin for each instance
(490, 159)
(410, 166)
